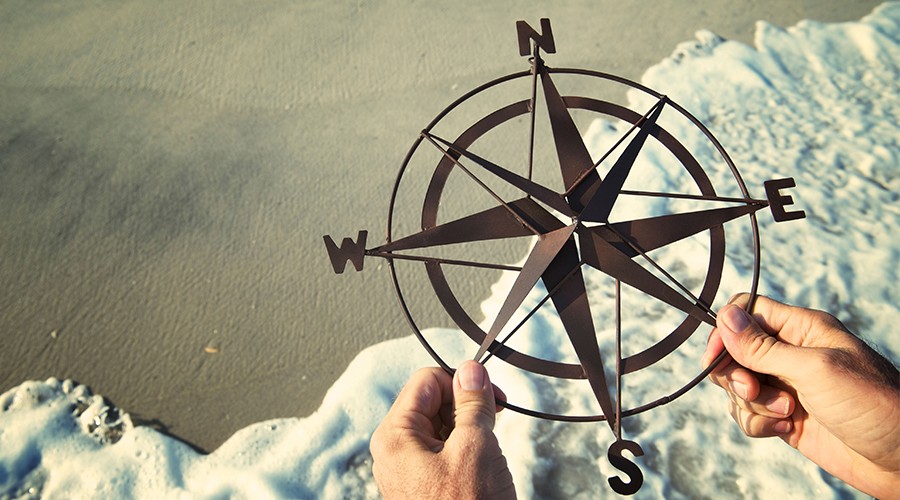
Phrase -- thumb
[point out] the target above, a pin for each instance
(473, 397)
(750, 346)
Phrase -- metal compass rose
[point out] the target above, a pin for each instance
(590, 220)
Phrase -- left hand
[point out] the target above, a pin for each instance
(437, 440)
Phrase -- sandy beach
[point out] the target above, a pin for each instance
(168, 170)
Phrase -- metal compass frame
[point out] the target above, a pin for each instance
(573, 231)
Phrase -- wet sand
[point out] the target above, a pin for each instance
(167, 171)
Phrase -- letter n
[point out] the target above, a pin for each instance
(544, 40)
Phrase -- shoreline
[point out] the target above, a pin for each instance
(167, 179)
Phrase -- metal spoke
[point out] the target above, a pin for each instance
(535, 62)
(602, 201)
(533, 189)
(605, 257)
(534, 310)
(671, 278)
(491, 224)
(437, 260)
(618, 142)
(618, 426)
(541, 256)
(699, 197)
(478, 181)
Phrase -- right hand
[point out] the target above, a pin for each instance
(799, 374)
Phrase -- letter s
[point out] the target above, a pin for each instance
(627, 466)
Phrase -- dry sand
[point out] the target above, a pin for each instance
(168, 168)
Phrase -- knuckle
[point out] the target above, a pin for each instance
(758, 347)
(376, 471)
(733, 411)
(751, 424)
(477, 410)
(377, 443)
(825, 319)
(387, 443)
(718, 379)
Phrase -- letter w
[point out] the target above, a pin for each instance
(349, 250)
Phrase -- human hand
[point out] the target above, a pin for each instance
(437, 440)
(800, 375)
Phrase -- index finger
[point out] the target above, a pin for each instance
(771, 315)
(792, 324)
(714, 347)
(425, 393)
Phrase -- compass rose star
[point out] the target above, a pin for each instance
(609, 247)
(557, 257)
(571, 229)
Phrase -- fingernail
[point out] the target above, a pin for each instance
(471, 376)
(782, 426)
(740, 389)
(778, 405)
(736, 318)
